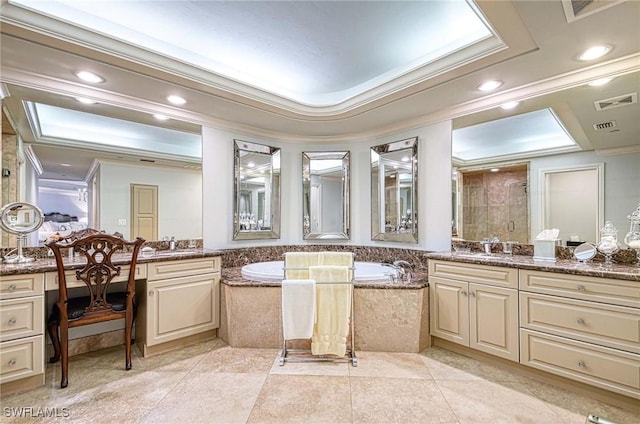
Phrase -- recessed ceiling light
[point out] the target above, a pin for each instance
(595, 52)
(86, 101)
(251, 164)
(509, 105)
(176, 100)
(489, 85)
(65, 164)
(89, 77)
(160, 117)
(494, 169)
(600, 81)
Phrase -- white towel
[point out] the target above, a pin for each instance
(297, 264)
(298, 308)
(333, 310)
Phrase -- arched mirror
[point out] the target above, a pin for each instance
(394, 190)
(256, 191)
(20, 218)
(325, 193)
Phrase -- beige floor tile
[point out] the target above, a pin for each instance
(303, 399)
(228, 359)
(182, 359)
(311, 368)
(210, 398)
(574, 408)
(445, 365)
(390, 365)
(488, 402)
(398, 400)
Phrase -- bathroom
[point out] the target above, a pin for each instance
(206, 199)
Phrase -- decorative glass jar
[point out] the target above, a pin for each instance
(632, 239)
(608, 244)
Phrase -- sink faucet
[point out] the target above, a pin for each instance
(398, 271)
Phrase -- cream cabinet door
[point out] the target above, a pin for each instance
(181, 307)
(449, 303)
(493, 323)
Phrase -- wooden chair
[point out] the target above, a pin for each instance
(101, 305)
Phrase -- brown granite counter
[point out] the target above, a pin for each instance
(49, 264)
(233, 277)
(565, 266)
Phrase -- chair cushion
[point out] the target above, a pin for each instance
(77, 305)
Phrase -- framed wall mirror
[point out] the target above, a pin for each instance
(325, 193)
(394, 191)
(256, 193)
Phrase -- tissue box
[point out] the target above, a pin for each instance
(544, 250)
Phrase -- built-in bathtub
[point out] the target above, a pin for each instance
(274, 271)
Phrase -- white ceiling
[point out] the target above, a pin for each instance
(349, 55)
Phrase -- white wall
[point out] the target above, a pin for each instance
(179, 198)
(621, 185)
(434, 197)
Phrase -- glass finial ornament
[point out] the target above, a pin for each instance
(608, 241)
(632, 239)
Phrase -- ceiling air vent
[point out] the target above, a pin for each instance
(576, 9)
(604, 125)
(148, 160)
(619, 101)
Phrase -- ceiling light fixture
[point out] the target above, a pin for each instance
(176, 100)
(600, 81)
(494, 169)
(160, 117)
(489, 85)
(510, 105)
(89, 77)
(595, 52)
(65, 164)
(86, 101)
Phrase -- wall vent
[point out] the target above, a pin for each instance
(619, 101)
(604, 125)
(148, 160)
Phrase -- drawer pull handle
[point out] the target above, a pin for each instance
(581, 364)
(12, 321)
(582, 288)
(472, 294)
(464, 293)
(151, 293)
(581, 321)
(12, 362)
(12, 287)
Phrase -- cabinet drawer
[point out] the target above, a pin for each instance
(483, 274)
(610, 369)
(22, 317)
(606, 290)
(72, 281)
(184, 268)
(12, 286)
(21, 358)
(608, 325)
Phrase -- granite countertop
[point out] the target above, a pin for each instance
(566, 266)
(233, 277)
(49, 264)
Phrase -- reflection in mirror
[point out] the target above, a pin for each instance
(325, 188)
(256, 191)
(394, 188)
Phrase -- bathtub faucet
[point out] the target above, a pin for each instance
(406, 270)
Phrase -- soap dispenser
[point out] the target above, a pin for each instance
(172, 243)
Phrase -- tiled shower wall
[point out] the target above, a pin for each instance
(495, 204)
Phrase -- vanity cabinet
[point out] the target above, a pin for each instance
(179, 298)
(22, 328)
(475, 306)
(583, 328)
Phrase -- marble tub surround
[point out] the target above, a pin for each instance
(232, 258)
(622, 256)
(566, 266)
(388, 317)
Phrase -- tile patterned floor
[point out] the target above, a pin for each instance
(212, 383)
